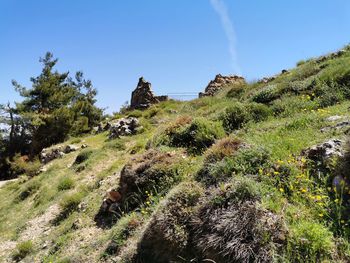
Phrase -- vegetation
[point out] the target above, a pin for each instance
(227, 178)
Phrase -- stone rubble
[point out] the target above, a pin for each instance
(123, 127)
(219, 82)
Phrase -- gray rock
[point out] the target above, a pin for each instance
(334, 118)
(325, 151)
(338, 126)
(70, 148)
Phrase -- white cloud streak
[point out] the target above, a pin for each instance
(221, 9)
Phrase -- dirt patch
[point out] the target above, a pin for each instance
(40, 225)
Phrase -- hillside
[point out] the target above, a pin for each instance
(242, 176)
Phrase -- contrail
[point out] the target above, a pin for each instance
(220, 7)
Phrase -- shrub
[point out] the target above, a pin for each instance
(310, 241)
(246, 161)
(259, 112)
(266, 95)
(239, 114)
(222, 148)
(29, 188)
(236, 91)
(83, 156)
(226, 147)
(230, 226)
(306, 70)
(117, 145)
(23, 166)
(196, 135)
(65, 183)
(167, 236)
(22, 250)
(151, 172)
(234, 117)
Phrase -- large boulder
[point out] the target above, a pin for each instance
(219, 82)
(143, 97)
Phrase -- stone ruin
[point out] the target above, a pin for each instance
(219, 82)
(143, 97)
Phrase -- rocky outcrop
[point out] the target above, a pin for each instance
(124, 126)
(143, 97)
(219, 82)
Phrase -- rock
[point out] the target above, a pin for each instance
(83, 146)
(219, 82)
(111, 202)
(123, 127)
(142, 97)
(334, 118)
(50, 154)
(325, 151)
(339, 125)
(70, 148)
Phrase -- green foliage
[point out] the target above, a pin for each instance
(196, 135)
(65, 183)
(23, 249)
(266, 95)
(28, 189)
(22, 166)
(310, 241)
(57, 105)
(245, 161)
(239, 114)
(70, 202)
(116, 144)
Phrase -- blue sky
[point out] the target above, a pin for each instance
(177, 45)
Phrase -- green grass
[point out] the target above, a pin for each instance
(274, 121)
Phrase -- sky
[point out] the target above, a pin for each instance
(177, 45)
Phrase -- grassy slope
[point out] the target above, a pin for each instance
(76, 238)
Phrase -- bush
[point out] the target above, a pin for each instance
(152, 172)
(246, 161)
(83, 156)
(234, 117)
(310, 242)
(196, 135)
(226, 147)
(259, 112)
(22, 250)
(266, 95)
(65, 183)
(239, 114)
(167, 236)
(230, 226)
(29, 188)
(22, 165)
(236, 91)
